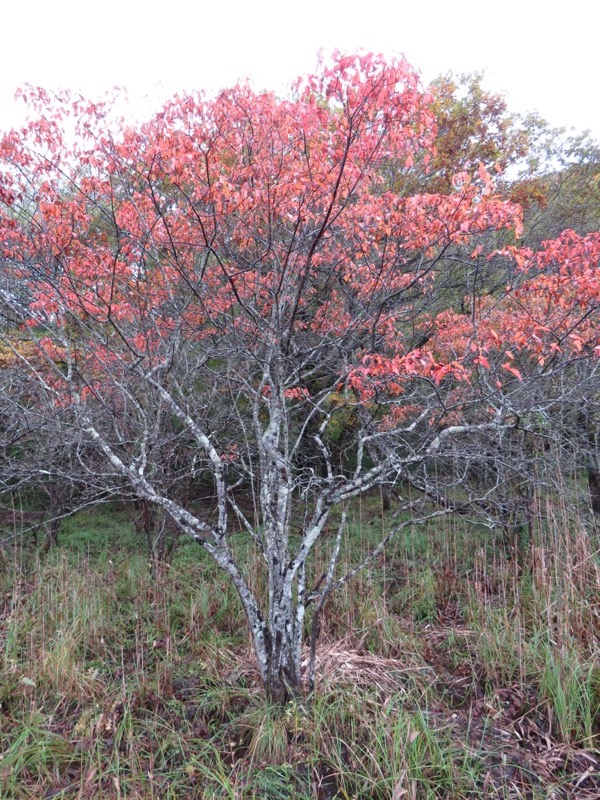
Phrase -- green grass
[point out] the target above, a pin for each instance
(449, 671)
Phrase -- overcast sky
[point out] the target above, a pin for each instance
(543, 56)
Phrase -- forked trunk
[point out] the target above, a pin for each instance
(277, 647)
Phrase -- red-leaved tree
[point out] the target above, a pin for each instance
(233, 295)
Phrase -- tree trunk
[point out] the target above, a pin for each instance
(282, 674)
(279, 689)
(51, 537)
(587, 424)
(594, 487)
(386, 498)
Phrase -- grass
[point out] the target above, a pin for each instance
(448, 669)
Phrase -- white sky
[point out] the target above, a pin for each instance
(543, 55)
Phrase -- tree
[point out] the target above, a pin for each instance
(565, 171)
(211, 293)
(474, 127)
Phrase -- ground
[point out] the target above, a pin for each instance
(453, 668)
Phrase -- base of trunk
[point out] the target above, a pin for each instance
(283, 686)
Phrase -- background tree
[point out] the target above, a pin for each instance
(564, 168)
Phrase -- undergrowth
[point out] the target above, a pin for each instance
(453, 667)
